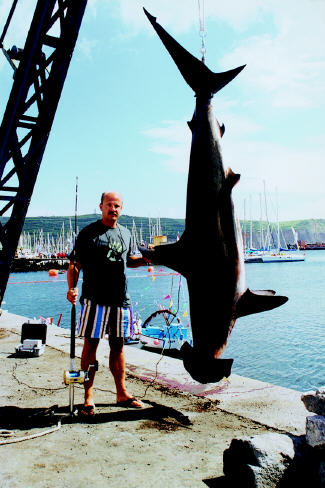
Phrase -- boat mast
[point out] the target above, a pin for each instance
(277, 218)
(251, 223)
(261, 224)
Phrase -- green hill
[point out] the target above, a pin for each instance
(53, 225)
(310, 230)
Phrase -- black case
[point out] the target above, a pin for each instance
(33, 331)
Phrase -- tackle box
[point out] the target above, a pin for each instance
(33, 339)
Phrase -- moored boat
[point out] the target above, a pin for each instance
(283, 257)
(168, 333)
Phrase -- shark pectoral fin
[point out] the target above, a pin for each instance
(170, 255)
(203, 369)
(147, 253)
(263, 292)
(254, 302)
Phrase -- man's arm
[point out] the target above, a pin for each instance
(72, 278)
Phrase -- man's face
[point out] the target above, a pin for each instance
(111, 208)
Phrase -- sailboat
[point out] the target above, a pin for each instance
(266, 253)
(282, 255)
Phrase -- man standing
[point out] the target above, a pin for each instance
(102, 251)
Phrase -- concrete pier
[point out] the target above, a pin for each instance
(147, 447)
(273, 406)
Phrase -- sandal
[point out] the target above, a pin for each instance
(87, 411)
(130, 403)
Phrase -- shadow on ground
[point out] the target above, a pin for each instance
(220, 482)
(13, 417)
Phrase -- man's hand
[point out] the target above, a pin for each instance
(72, 295)
(136, 261)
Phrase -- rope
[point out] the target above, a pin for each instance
(8, 433)
(202, 33)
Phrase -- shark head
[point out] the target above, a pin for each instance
(202, 368)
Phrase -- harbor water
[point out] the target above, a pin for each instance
(284, 346)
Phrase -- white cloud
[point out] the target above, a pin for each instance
(286, 61)
(86, 46)
(18, 27)
(290, 171)
(183, 15)
(172, 140)
(287, 65)
(20, 22)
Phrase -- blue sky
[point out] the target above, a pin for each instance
(121, 121)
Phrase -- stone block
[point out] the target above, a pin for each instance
(315, 431)
(259, 461)
(314, 401)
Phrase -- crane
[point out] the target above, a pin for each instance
(39, 72)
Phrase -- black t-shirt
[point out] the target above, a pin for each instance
(103, 252)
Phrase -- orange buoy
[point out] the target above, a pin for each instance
(53, 272)
(150, 269)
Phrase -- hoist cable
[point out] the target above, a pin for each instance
(14, 3)
(203, 33)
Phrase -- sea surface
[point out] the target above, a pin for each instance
(285, 346)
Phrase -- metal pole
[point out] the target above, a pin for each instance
(73, 316)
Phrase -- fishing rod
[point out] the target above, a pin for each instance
(73, 375)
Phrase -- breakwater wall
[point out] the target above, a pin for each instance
(38, 264)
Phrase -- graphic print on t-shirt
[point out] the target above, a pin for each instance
(115, 251)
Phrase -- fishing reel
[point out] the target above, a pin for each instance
(71, 377)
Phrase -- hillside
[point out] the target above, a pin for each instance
(311, 230)
(53, 225)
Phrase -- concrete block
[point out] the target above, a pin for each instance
(259, 461)
(315, 431)
(314, 401)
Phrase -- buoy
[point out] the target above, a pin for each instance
(150, 269)
(53, 272)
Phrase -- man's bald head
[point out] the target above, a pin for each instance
(111, 206)
(111, 194)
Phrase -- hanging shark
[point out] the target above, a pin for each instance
(209, 253)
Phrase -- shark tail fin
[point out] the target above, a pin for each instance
(196, 74)
(258, 301)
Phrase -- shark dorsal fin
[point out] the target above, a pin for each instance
(258, 301)
(221, 128)
(231, 178)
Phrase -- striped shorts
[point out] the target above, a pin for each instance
(98, 320)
